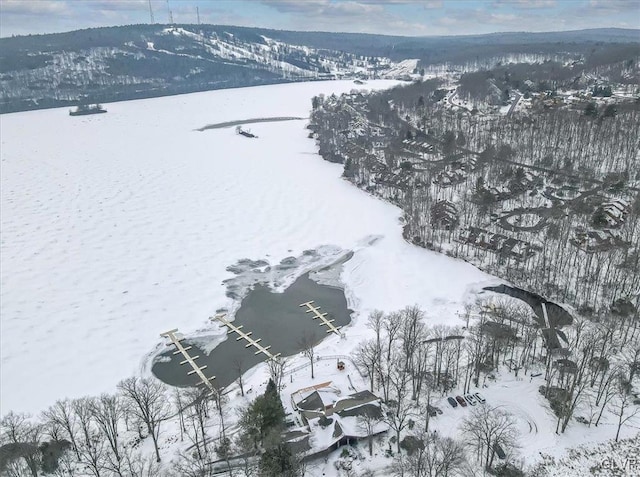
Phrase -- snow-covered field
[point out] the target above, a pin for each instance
(117, 227)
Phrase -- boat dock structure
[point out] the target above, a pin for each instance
(246, 336)
(188, 359)
(322, 317)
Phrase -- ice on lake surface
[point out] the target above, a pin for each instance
(120, 226)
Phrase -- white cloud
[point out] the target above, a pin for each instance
(365, 16)
(525, 4)
(568, 16)
(119, 5)
(423, 3)
(39, 7)
(616, 5)
(324, 7)
(393, 17)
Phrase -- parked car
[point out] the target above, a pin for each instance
(479, 397)
(470, 399)
(452, 402)
(438, 410)
(461, 401)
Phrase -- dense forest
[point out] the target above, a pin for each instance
(547, 199)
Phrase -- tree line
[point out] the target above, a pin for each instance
(555, 168)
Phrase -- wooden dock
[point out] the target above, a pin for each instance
(246, 336)
(175, 341)
(322, 317)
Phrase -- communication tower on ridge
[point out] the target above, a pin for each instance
(170, 13)
(151, 13)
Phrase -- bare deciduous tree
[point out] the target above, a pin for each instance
(107, 411)
(61, 413)
(24, 436)
(238, 367)
(147, 400)
(367, 422)
(307, 344)
(375, 322)
(391, 324)
(91, 444)
(487, 428)
(197, 412)
(631, 356)
(399, 410)
(180, 403)
(188, 466)
(277, 367)
(135, 464)
(623, 406)
(367, 357)
(431, 457)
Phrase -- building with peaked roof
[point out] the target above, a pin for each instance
(332, 420)
(612, 213)
(444, 214)
(597, 240)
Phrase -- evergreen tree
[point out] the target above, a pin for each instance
(264, 418)
(278, 461)
(272, 409)
(449, 143)
(610, 111)
(591, 110)
(487, 155)
(349, 170)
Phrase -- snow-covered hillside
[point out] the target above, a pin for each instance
(130, 62)
(120, 226)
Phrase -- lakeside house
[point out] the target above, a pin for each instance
(330, 420)
(497, 243)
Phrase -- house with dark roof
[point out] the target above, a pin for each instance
(597, 240)
(332, 420)
(444, 215)
(611, 214)
(497, 243)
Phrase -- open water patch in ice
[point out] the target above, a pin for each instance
(279, 275)
(269, 299)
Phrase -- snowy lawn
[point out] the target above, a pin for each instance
(536, 422)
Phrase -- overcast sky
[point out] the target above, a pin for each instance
(396, 17)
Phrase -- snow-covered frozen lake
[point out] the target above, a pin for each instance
(120, 226)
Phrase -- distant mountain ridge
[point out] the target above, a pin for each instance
(139, 61)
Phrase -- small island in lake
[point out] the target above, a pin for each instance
(245, 133)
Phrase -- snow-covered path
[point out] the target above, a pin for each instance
(117, 227)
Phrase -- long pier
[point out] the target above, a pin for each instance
(322, 317)
(246, 336)
(175, 341)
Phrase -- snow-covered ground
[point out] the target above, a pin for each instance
(117, 227)
(518, 396)
(536, 422)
